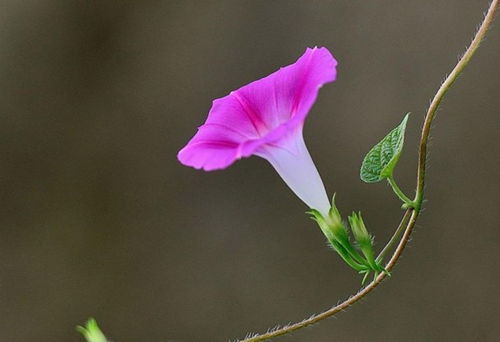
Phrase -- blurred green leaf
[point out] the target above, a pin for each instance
(91, 332)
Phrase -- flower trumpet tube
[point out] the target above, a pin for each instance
(265, 118)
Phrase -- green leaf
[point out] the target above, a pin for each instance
(91, 332)
(380, 162)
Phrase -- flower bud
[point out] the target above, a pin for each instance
(363, 238)
(359, 230)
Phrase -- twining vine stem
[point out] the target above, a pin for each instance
(452, 77)
(411, 214)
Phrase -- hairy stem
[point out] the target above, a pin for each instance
(412, 212)
(351, 300)
(452, 77)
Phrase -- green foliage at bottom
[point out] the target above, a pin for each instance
(91, 332)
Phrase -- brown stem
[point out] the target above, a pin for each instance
(351, 300)
(452, 77)
(457, 70)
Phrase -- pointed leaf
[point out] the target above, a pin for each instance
(380, 162)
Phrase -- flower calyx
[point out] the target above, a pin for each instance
(358, 255)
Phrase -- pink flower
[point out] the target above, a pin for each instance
(265, 118)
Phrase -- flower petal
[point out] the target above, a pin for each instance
(215, 146)
(292, 161)
(208, 155)
(291, 91)
(262, 112)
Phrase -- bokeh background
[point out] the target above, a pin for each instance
(99, 219)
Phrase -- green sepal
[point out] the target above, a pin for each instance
(331, 226)
(338, 237)
(380, 162)
(91, 331)
(347, 257)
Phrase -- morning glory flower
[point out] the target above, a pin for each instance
(265, 118)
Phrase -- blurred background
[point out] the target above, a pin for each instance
(99, 219)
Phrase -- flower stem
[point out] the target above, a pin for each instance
(445, 86)
(351, 300)
(394, 238)
(411, 212)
